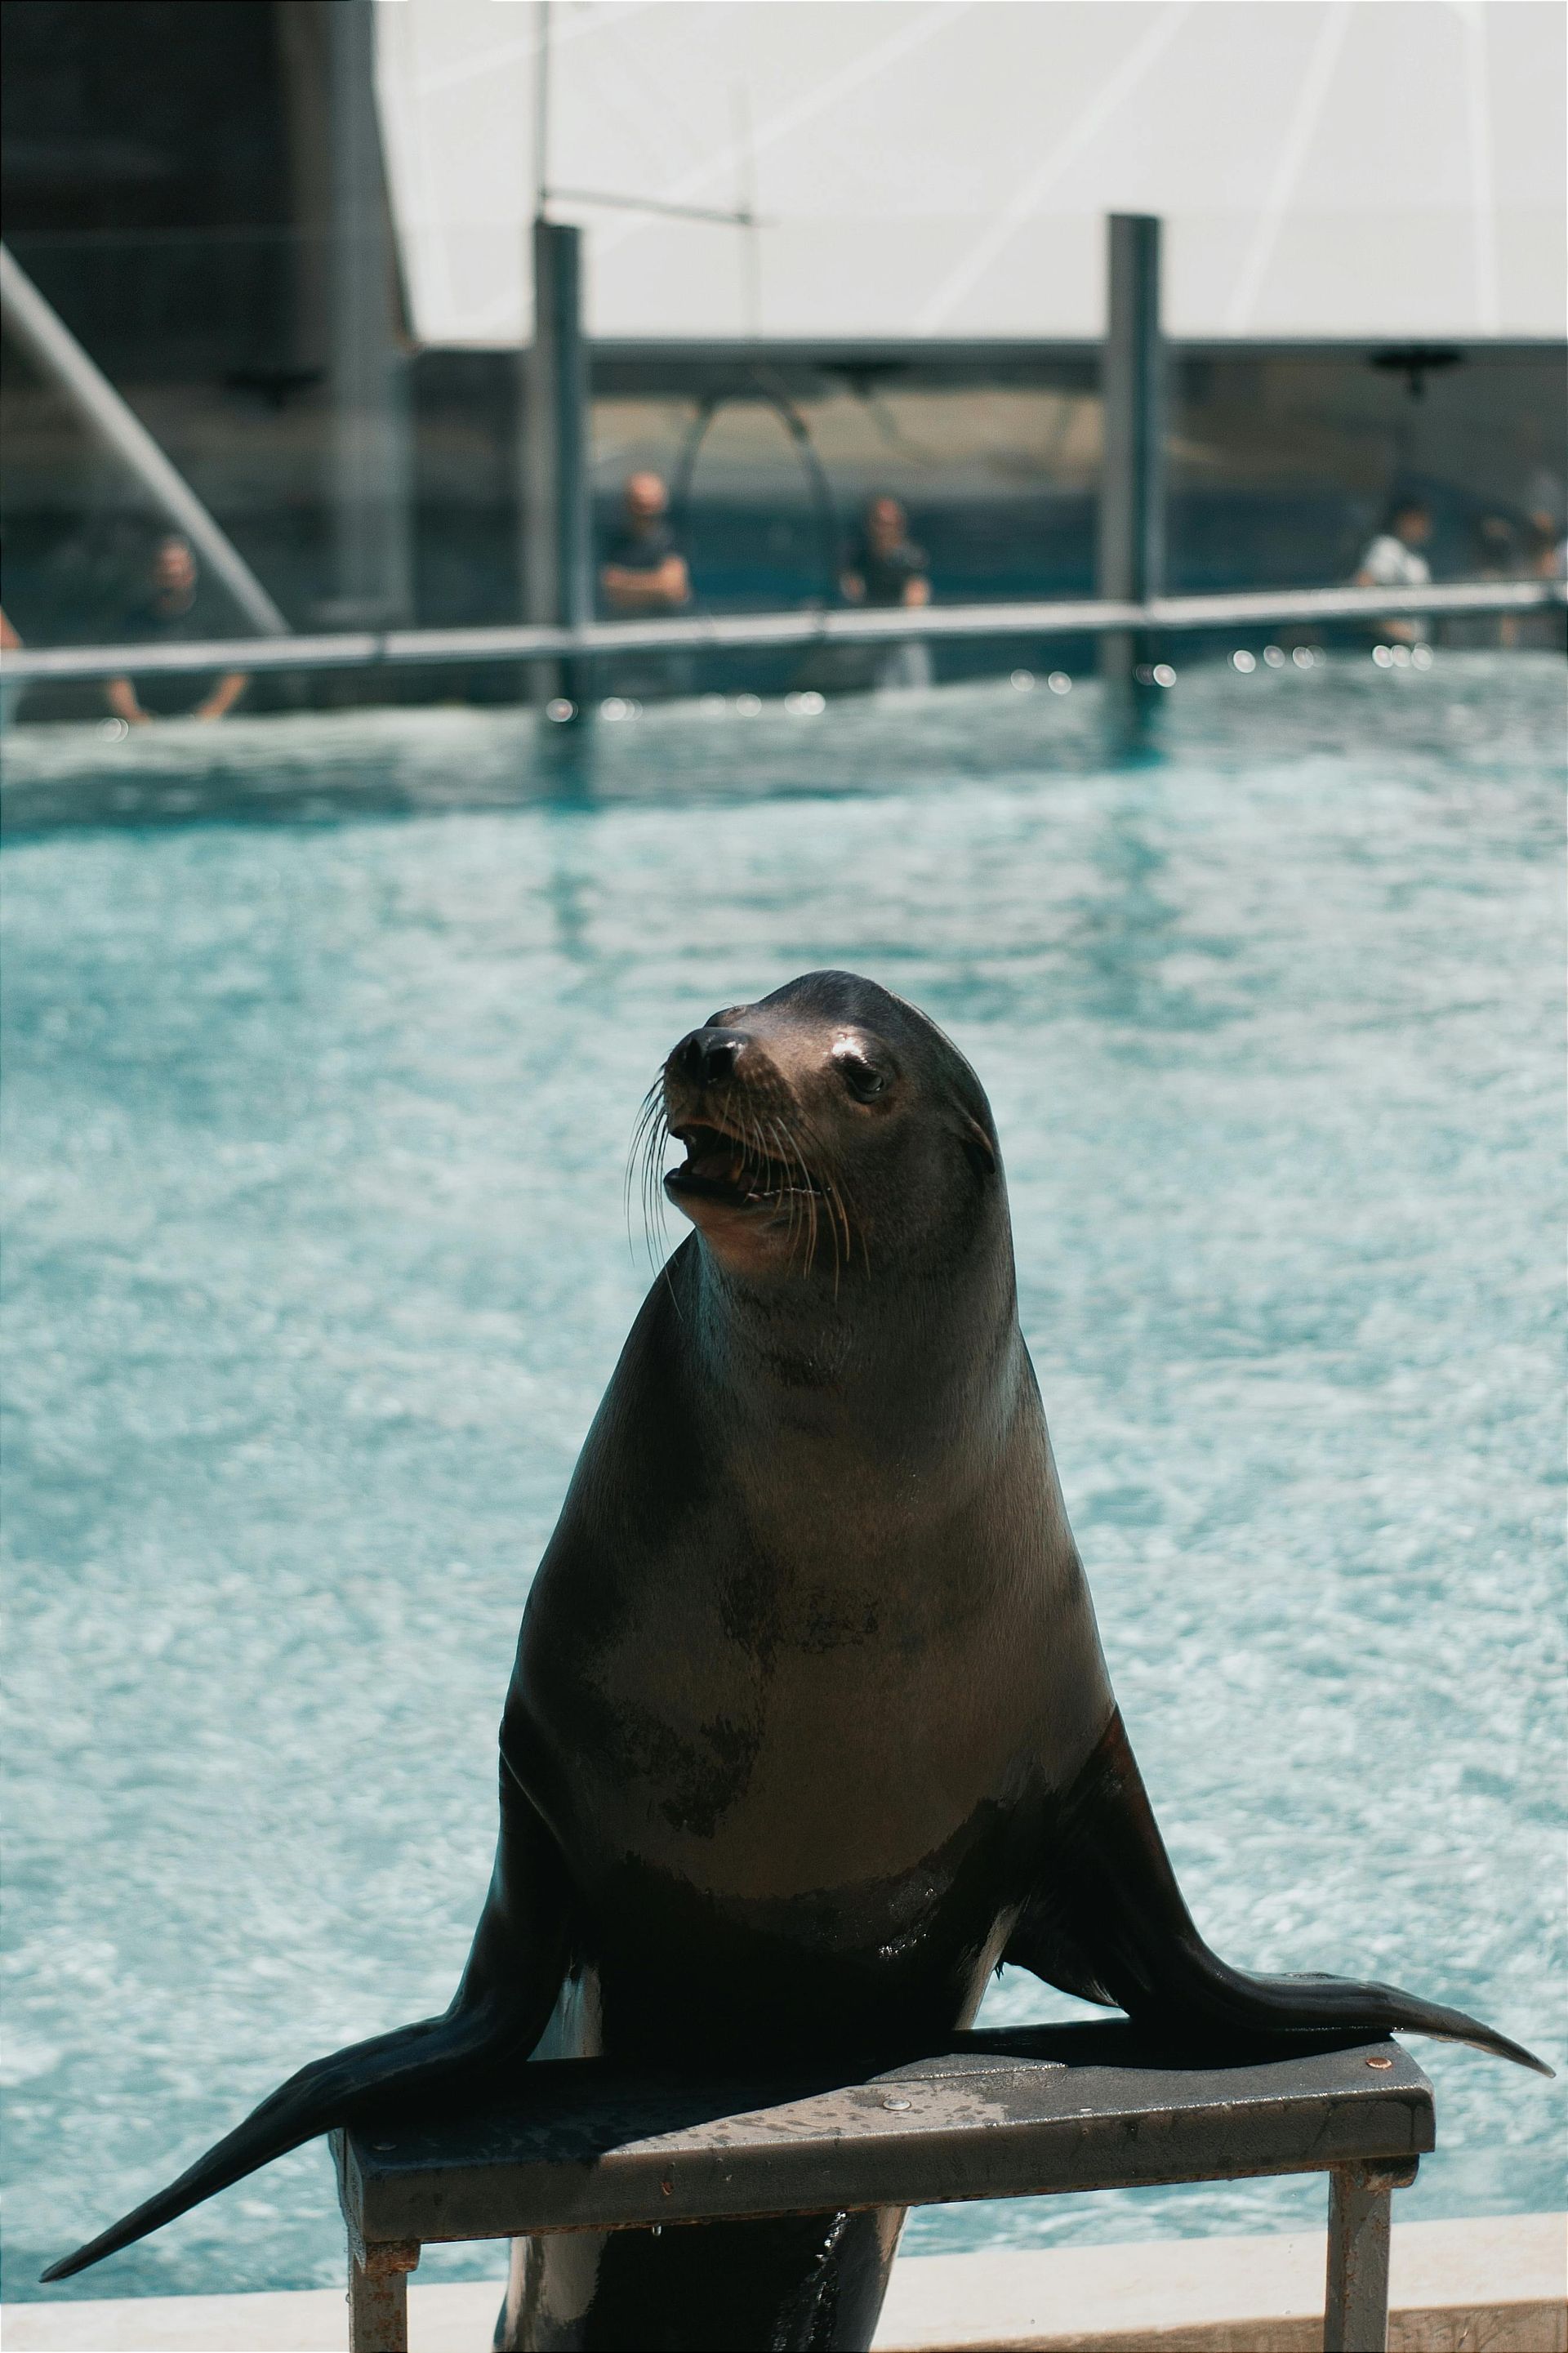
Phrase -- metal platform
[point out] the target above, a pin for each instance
(585, 2145)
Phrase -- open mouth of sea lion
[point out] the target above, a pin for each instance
(722, 1167)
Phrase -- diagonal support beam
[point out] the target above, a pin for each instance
(54, 352)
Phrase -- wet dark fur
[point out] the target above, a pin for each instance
(809, 1728)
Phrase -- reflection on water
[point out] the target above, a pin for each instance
(356, 764)
(317, 1267)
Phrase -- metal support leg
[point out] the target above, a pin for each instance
(1132, 523)
(372, 461)
(1355, 2310)
(557, 553)
(378, 2296)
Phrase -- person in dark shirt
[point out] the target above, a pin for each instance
(884, 568)
(171, 611)
(1494, 556)
(643, 570)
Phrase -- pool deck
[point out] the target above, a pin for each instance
(1495, 2286)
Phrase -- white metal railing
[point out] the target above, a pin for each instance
(740, 632)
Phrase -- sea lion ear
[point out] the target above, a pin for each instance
(979, 1150)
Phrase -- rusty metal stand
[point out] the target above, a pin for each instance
(585, 2145)
(378, 2296)
(1355, 2306)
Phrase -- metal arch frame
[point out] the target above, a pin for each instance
(830, 531)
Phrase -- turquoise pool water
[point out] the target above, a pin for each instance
(324, 1040)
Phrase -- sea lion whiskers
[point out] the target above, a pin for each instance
(789, 1153)
(772, 1150)
(636, 1165)
(649, 1113)
(650, 1135)
(830, 1183)
(830, 1189)
(821, 1182)
(755, 1130)
(816, 1182)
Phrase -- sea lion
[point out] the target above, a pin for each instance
(809, 1728)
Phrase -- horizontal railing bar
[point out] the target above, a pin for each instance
(733, 218)
(740, 632)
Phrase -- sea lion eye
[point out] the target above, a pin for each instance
(858, 1073)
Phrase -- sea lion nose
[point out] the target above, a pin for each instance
(708, 1056)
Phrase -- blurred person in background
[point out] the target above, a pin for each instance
(171, 610)
(1495, 555)
(10, 693)
(1546, 508)
(884, 568)
(883, 565)
(1392, 558)
(643, 570)
(1494, 549)
(1545, 548)
(1551, 629)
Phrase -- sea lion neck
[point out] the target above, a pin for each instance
(861, 1351)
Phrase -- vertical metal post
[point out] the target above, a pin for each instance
(378, 2297)
(557, 574)
(372, 473)
(1131, 553)
(542, 110)
(1355, 2306)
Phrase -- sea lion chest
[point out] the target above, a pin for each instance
(790, 1666)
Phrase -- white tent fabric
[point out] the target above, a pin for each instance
(1385, 169)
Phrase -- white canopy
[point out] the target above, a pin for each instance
(1380, 169)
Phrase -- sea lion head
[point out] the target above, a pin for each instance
(829, 1129)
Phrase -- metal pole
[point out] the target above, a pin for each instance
(373, 564)
(1131, 565)
(56, 353)
(1355, 2305)
(556, 550)
(378, 2296)
(542, 112)
(746, 216)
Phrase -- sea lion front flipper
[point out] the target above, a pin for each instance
(508, 1987)
(1109, 1907)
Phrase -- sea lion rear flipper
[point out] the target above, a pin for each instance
(508, 1987)
(1109, 1920)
